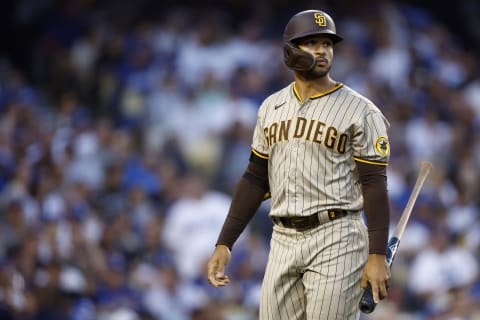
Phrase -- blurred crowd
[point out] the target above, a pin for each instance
(121, 145)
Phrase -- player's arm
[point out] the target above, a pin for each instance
(247, 197)
(373, 178)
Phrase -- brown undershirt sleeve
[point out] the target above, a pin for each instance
(247, 197)
(376, 205)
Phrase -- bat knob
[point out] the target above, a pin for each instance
(366, 304)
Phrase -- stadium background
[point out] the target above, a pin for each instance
(125, 124)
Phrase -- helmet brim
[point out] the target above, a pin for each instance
(298, 37)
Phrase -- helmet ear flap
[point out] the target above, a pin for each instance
(297, 59)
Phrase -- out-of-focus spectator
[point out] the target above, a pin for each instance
(190, 225)
(444, 266)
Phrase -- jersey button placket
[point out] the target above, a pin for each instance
(302, 111)
(290, 186)
(303, 108)
(295, 144)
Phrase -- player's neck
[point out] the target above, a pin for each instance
(308, 88)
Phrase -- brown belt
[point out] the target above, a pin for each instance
(311, 221)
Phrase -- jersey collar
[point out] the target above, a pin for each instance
(319, 95)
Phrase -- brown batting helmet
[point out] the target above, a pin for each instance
(310, 22)
(304, 24)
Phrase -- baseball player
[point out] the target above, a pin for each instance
(320, 150)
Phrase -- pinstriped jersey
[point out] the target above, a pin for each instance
(312, 146)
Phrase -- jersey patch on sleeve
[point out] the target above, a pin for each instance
(382, 146)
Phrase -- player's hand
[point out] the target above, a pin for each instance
(377, 273)
(216, 266)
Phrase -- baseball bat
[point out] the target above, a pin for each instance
(366, 304)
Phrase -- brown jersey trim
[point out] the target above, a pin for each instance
(259, 154)
(258, 160)
(319, 95)
(378, 163)
(337, 86)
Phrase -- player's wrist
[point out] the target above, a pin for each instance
(223, 247)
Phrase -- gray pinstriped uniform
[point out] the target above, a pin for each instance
(311, 149)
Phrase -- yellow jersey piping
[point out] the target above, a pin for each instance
(370, 162)
(260, 155)
(316, 96)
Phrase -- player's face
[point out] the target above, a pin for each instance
(322, 49)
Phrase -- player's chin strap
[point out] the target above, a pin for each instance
(297, 59)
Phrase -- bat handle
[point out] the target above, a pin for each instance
(367, 305)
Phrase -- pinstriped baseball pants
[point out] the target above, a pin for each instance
(315, 274)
